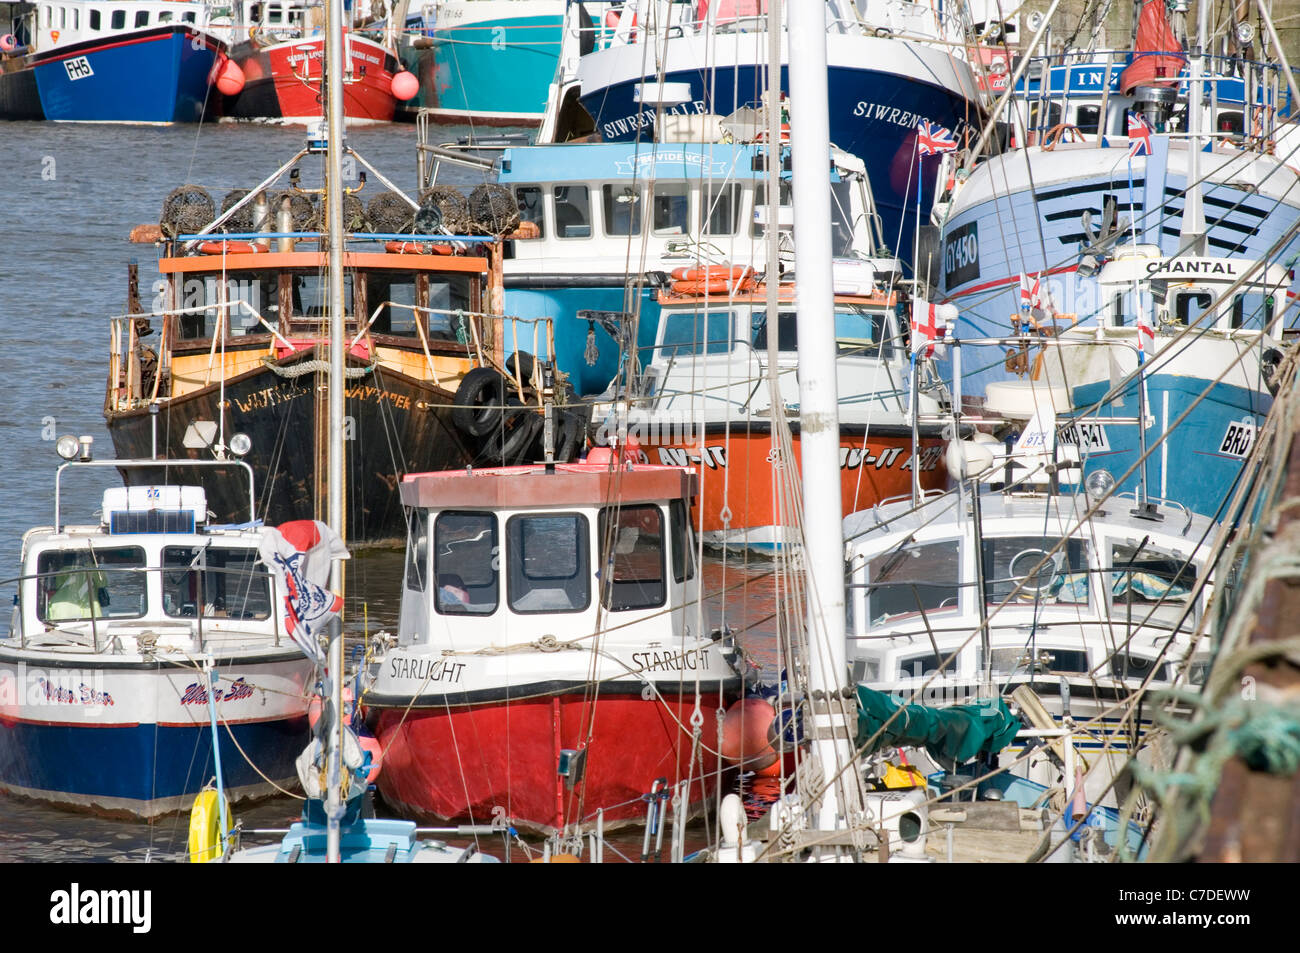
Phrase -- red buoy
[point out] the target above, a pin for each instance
(230, 78)
(405, 85)
(746, 737)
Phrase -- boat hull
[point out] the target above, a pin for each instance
(135, 739)
(492, 61)
(497, 760)
(878, 90)
(739, 471)
(153, 76)
(394, 425)
(283, 82)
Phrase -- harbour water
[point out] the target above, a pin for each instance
(72, 194)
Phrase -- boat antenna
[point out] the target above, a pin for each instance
(334, 205)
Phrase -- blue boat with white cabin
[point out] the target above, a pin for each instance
(145, 61)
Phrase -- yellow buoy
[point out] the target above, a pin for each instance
(205, 842)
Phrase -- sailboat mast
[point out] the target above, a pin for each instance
(819, 424)
(334, 203)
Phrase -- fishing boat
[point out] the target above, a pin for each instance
(241, 343)
(705, 399)
(142, 646)
(279, 48)
(891, 69)
(1090, 601)
(553, 662)
(146, 61)
(631, 213)
(483, 62)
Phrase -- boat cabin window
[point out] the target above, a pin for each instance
(1252, 311)
(141, 18)
(925, 664)
(118, 21)
(82, 584)
(1190, 305)
(683, 332)
(1022, 565)
(622, 210)
(94, 19)
(529, 200)
(672, 208)
(857, 331)
(841, 220)
(632, 541)
(1036, 120)
(311, 295)
(228, 583)
(466, 557)
(1087, 118)
(448, 294)
(721, 212)
(165, 17)
(549, 563)
(683, 550)
(1144, 576)
(916, 578)
(385, 288)
(572, 211)
(1231, 123)
(261, 291)
(417, 550)
(1125, 665)
(785, 197)
(188, 16)
(1037, 659)
(76, 19)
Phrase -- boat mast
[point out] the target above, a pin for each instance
(1192, 236)
(833, 705)
(334, 203)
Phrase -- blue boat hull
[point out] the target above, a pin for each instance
(873, 115)
(142, 770)
(153, 76)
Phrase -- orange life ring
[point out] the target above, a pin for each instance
(718, 286)
(714, 273)
(418, 248)
(229, 248)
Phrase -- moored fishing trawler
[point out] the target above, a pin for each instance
(1089, 601)
(146, 61)
(242, 338)
(553, 661)
(704, 399)
(139, 642)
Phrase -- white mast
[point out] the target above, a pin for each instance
(334, 203)
(819, 423)
(1192, 232)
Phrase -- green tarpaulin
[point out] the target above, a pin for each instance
(960, 732)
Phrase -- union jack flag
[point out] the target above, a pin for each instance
(1139, 135)
(932, 139)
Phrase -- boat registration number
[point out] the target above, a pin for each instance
(1238, 438)
(1089, 437)
(78, 68)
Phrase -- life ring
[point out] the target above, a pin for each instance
(478, 402)
(228, 248)
(716, 286)
(713, 273)
(418, 248)
(205, 841)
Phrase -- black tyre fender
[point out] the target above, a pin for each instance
(523, 424)
(478, 402)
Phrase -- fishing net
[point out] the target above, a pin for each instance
(241, 221)
(389, 212)
(493, 209)
(186, 210)
(354, 216)
(450, 208)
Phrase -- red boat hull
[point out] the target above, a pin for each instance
(498, 760)
(284, 82)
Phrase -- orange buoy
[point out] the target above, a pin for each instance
(712, 279)
(228, 248)
(230, 78)
(746, 735)
(405, 85)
